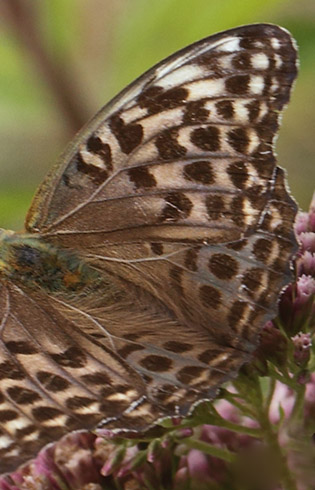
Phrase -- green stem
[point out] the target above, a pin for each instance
(272, 440)
(284, 377)
(297, 411)
(271, 390)
(231, 398)
(249, 431)
(210, 450)
(240, 429)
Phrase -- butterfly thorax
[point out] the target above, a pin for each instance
(32, 262)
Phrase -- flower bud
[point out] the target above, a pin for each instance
(296, 304)
(302, 345)
(272, 347)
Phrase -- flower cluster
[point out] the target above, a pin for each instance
(257, 434)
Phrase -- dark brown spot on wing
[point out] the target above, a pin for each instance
(238, 174)
(223, 266)
(22, 396)
(238, 139)
(248, 42)
(96, 379)
(262, 249)
(52, 382)
(157, 248)
(168, 146)
(199, 171)
(242, 61)
(177, 206)
(225, 109)
(191, 258)
(176, 346)
(238, 84)
(256, 196)
(72, 357)
(95, 145)
(236, 313)
(20, 347)
(215, 206)
(195, 113)
(41, 414)
(210, 296)
(10, 370)
(208, 355)
(146, 96)
(21, 433)
(238, 245)
(129, 136)
(156, 363)
(141, 177)
(252, 279)
(268, 126)
(253, 110)
(97, 174)
(207, 139)
(189, 374)
(268, 80)
(77, 402)
(237, 207)
(8, 415)
(128, 349)
(156, 100)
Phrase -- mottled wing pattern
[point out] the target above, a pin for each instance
(53, 377)
(172, 193)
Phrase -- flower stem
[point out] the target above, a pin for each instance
(271, 390)
(271, 439)
(297, 411)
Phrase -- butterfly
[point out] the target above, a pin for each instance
(154, 251)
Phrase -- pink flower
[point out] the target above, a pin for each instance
(307, 241)
(301, 223)
(306, 221)
(311, 223)
(306, 264)
(296, 304)
(305, 288)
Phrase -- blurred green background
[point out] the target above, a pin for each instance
(61, 60)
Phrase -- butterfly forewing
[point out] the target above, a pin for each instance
(172, 196)
(220, 97)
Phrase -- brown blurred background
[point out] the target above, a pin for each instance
(62, 60)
